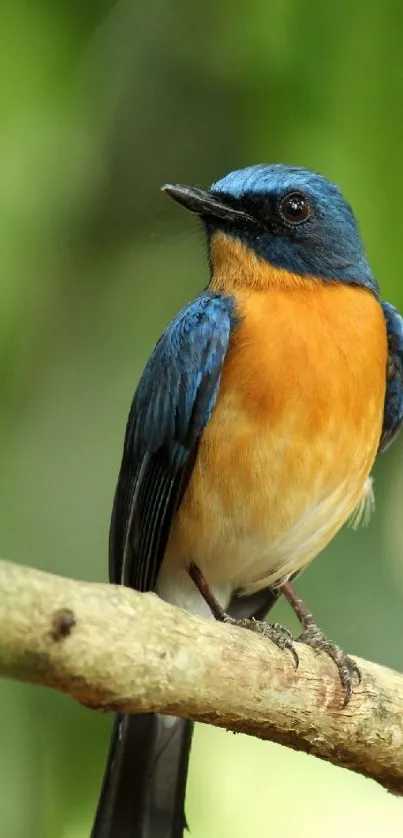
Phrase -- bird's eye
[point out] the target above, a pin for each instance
(294, 208)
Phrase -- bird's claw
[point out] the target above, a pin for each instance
(277, 633)
(347, 668)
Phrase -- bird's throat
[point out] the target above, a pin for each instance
(234, 265)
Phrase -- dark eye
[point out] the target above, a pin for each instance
(294, 208)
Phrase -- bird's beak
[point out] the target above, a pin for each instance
(205, 204)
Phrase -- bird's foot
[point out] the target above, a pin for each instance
(314, 637)
(275, 632)
(278, 634)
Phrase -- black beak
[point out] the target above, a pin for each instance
(205, 204)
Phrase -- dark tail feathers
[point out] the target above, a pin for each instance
(143, 789)
(144, 785)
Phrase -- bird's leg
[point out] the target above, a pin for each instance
(275, 632)
(207, 594)
(313, 636)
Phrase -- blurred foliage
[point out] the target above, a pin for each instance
(99, 106)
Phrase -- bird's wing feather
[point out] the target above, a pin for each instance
(393, 411)
(171, 407)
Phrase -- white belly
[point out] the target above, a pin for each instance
(246, 561)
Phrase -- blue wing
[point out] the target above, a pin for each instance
(171, 407)
(393, 412)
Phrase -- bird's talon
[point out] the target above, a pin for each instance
(229, 620)
(278, 634)
(291, 648)
(347, 668)
(283, 630)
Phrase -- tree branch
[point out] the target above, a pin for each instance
(111, 648)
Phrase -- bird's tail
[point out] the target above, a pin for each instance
(143, 791)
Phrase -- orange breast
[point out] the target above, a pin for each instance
(287, 453)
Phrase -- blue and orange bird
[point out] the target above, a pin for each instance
(249, 443)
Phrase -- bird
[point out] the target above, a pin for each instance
(249, 443)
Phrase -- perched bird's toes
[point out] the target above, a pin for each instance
(277, 633)
(347, 668)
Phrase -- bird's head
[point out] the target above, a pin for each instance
(291, 218)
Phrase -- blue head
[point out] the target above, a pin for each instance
(293, 218)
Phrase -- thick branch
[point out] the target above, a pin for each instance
(114, 649)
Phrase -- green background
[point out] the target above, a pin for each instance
(99, 106)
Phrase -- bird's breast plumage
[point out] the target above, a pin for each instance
(286, 456)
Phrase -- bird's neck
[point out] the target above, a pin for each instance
(234, 266)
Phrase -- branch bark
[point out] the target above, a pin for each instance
(111, 648)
